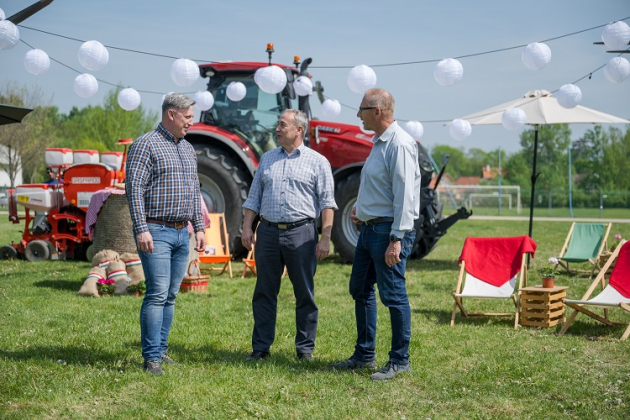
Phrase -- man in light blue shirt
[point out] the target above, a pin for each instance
(292, 187)
(387, 205)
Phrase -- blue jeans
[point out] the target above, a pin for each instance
(369, 268)
(164, 270)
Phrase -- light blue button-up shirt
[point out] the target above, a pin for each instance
(390, 181)
(290, 188)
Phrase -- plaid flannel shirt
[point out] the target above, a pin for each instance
(161, 180)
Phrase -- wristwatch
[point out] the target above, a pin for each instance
(393, 239)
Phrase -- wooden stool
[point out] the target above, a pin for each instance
(541, 307)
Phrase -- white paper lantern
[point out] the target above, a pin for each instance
(36, 62)
(303, 86)
(616, 35)
(9, 35)
(204, 100)
(448, 72)
(513, 118)
(617, 69)
(459, 129)
(236, 91)
(361, 79)
(271, 79)
(2, 15)
(414, 128)
(536, 55)
(331, 108)
(569, 96)
(129, 99)
(85, 85)
(184, 72)
(93, 55)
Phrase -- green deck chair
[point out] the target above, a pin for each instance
(585, 243)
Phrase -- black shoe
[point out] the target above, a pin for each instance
(389, 371)
(154, 367)
(305, 356)
(167, 360)
(353, 364)
(257, 355)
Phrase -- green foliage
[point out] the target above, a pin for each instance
(100, 127)
(140, 287)
(66, 356)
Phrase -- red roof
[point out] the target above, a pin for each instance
(468, 180)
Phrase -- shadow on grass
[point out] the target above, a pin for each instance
(443, 317)
(594, 331)
(59, 284)
(71, 355)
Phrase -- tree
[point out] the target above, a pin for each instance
(24, 142)
(458, 163)
(100, 127)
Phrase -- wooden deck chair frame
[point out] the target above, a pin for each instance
(459, 300)
(220, 240)
(578, 306)
(594, 261)
(250, 262)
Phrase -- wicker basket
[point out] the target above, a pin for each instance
(114, 228)
(194, 282)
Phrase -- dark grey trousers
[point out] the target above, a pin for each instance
(276, 248)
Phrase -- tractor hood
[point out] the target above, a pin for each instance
(342, 144)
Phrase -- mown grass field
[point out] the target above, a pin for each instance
(67, 356)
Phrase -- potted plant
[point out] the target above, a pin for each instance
(137, 289)
(549, 274)
(105, 286)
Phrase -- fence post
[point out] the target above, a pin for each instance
(549, 211)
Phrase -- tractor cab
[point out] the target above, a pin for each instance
(253, 118)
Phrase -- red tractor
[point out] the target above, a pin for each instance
(232, 136)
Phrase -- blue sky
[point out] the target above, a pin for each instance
(337, 33)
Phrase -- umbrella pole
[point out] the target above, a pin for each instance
(534, 177)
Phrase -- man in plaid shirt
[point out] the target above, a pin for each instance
(163, 194)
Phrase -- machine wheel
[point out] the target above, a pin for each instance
(224, 187)
(345, 234)
(423, 246)
(7, 252)
(37, 251)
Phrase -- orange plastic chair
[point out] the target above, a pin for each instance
(217, 246)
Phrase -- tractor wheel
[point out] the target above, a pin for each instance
(36, 251)
(7, 252)
(345, 234)
(224, 187)
(423, 246)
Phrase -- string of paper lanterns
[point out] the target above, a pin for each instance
(236, 91)
(85, 85)
(272, 79)
(513, 119)
(129, 99)
(414, 128)
(331, 108)
(184, 72)
(204, 100)
(36, 62)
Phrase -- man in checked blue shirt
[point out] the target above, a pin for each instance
(163, 194)
(292, 187)
(387, 205)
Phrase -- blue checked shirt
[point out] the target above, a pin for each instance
(292, 188)
(161, 181)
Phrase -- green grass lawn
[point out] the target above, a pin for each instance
(67, 356)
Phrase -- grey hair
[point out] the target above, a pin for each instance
(381, 99)
(176, 101)
(300, 119)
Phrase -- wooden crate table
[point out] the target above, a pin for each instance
(542, 307)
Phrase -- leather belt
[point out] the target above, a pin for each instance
(286, 226)
(176, 225)
(378, 220)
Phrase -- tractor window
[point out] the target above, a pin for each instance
(253, 118)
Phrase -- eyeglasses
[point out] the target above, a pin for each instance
(365, 108)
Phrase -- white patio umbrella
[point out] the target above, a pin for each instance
(541, 107)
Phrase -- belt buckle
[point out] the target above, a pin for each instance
(179, 225)
(283, 226)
